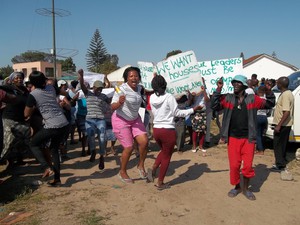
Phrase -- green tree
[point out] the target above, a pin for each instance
(6, 71)
(67, 65)
(31, 56)
(96, 53)
(174, 52)
(109, 65)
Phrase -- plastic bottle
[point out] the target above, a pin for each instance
(119, 91)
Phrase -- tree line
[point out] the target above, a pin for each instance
(97, 59)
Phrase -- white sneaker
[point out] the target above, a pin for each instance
(194, 150)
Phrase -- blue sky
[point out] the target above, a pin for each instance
(144, 30)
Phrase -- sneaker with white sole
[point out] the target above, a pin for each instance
(275, 168)
(194, 150)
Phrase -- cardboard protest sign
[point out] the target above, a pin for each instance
(147, 71)
(91, 77)
(181, 72)
(109, 92)
(211, 71)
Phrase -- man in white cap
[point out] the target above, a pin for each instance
(239, 129)
(97, 104)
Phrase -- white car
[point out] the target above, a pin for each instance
(294, 86)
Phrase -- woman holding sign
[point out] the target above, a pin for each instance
(165, 109)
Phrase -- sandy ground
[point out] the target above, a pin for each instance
(198, 193)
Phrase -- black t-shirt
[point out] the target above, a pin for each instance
(238, 127)
(15, 109)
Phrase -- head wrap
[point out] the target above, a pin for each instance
(15, 74)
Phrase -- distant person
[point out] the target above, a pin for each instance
(262, 122)
(198, 119)
(81, 113)
(283, 120)
(209, 113)
(254, 76)
(110, 136)
(271, 83)
(262, 81)
(180, 124)
(28, 85)
(72, 92)
(239, 130)
(249, 89)
(64, 101)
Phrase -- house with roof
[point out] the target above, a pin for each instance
(45, 67)
(267, 66)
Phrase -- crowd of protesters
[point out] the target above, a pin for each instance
(40, 116)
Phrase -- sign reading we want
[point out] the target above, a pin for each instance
(181, 72)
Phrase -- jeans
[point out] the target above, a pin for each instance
(56, 135)
(261, 126)
(96, 126)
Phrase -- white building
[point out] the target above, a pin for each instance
(267, 66)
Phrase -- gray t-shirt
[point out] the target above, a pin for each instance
(130, 109)
(46, 103)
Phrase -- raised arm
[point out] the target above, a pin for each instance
(81, 81)
(216, 97)
(106, 81)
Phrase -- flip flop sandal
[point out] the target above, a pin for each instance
(48, 172)
(150, 176)
(233, 193)
(162, 187)
(143, 174)
(249, 195)
(125, 180)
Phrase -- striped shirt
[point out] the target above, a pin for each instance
(96, 105)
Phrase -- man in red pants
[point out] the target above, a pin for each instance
(239, 129)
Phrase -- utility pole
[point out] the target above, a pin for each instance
(54, 42)
(52, 12)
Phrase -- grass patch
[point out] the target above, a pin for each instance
(31, 221)
(25, 200)
(91, 218)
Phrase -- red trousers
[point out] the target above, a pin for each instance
(166, 139)
(201, 139)
(240, 150)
